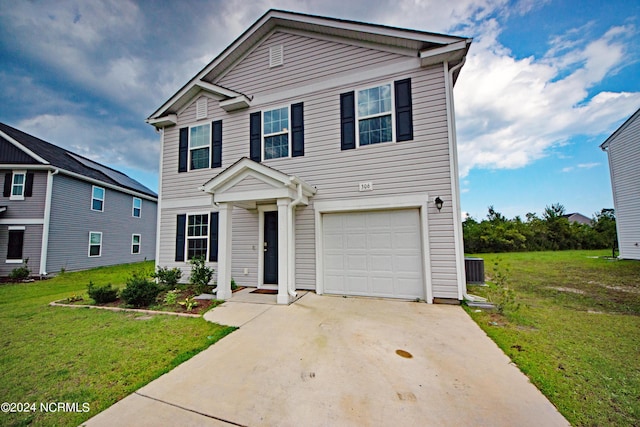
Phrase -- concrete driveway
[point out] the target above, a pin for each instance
(332, 361)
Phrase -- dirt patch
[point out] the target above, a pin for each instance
(571, 290)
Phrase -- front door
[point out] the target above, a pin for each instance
(271, 247)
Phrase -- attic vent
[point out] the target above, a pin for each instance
(276, 56)
(201, 108)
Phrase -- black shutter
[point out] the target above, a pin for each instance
(181, 225)
(404, 114)
(213, 237)
(28, 185)
(183, 150)
(297, 130)
(347, 121)
(216, 144)
(8, 177)
(255, 135)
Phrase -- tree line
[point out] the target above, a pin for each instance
(552, 231)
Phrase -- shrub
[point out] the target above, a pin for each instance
(189, 303)
(200, 275)
(168, 278)
(20, 273)
(102, 294)
(171, 297)
(140, 291)
(234, 285)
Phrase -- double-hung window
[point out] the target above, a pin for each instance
(97, 199)
(18, 185)
(197, 236)
(16, 244)
(137, 207)
(375, 115)
(95, 243)
(275, 133)
(199, 144)
(135, 243)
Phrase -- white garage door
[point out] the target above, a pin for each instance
(373, 253)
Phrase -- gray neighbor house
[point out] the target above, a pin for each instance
(318, 154)
(61, 211)
(623, 149)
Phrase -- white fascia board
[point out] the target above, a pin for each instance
(445, 53)
(239, 169)
(237, 103)
(15, 166)
(247, 196)
(216, 90)
(164, 121)
(23, 148)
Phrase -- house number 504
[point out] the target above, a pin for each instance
(366, 186)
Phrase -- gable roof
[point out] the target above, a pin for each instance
(20, 148)
(622, 127)
(429, 47)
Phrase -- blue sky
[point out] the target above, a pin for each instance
(545, 83)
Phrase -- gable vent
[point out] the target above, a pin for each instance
(201, 108)
(276, 56)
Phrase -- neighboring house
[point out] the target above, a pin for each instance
(578, 217)
(310, 154)
(61, 211)
(623, 148)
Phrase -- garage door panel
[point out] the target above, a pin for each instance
(381, 253)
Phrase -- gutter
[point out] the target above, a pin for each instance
(291, 237)
(44, 247)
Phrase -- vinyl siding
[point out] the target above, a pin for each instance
(421, 165)
(72, 219)
(30, 249)
(624, 158)
(31, 207)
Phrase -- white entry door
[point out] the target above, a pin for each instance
(373, 253)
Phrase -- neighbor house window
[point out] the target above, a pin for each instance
(18, 185)
(275, 133)
(199, 143)
(137, 207)
(97, 199)
(16, 244)
(95, 243)
(197, 236)
(135, 243)
(374, 110)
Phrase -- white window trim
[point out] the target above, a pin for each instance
(189, 149)
(288, 132)
(133, 244)
(393, 114)
(133, 207)
(89, 248)
(16, 228)
(24, 184)
(187, 238)
(104, 192)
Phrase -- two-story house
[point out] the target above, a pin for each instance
(320, 154)
(61, 211)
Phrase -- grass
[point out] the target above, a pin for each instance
(56, 354)
(576, 333)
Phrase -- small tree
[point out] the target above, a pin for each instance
(167, 278)
(200, 275)
(605, 225)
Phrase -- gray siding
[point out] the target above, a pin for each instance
(421, 165)
(31, 207)
(31, 248)
(72, 219)
(624, 158)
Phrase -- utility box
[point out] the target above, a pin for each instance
(474, 271)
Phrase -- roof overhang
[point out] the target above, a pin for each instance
(273, 185)
(430, 47)
(605, 145)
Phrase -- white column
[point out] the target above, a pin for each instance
(284, 222)
(224, 250)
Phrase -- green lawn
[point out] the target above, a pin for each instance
(57, 354)
(576, 333)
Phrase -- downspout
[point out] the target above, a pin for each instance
(44, 250)
(291, 237)
(456, 185)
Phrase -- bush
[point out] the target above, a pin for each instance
(200, 275)
(171, 297)
(168, 278)
(140, 291)
(20, 273)
(102, 294)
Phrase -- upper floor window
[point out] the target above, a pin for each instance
(374, 109)
(137, 207)
(97, 198)
(18, 185)
(275, 132)
(199, 143)
(197, 235)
